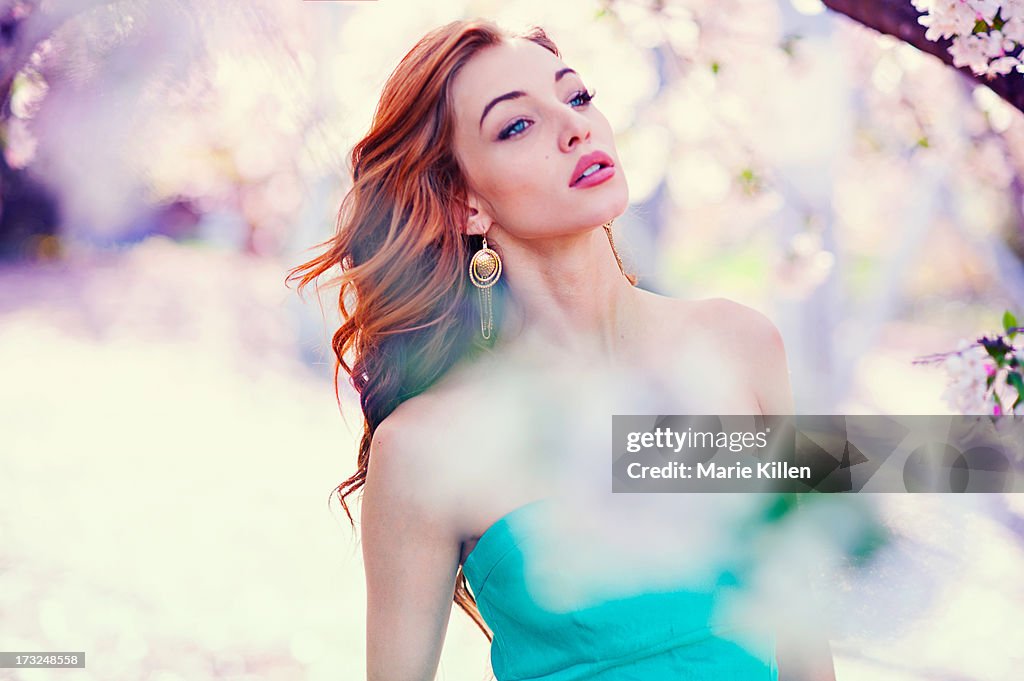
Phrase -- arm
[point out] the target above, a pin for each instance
(808, 659)
(411, 554)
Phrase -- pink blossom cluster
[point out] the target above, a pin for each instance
(977, 384)
(986, 34)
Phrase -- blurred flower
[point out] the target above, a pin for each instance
(966, 388)
(804, 264)
(985, 376)
(21, 144)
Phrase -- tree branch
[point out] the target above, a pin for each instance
(898, 18)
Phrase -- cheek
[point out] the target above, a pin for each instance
(520, 179)
(608, 137)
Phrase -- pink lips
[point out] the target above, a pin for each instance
(606, 171)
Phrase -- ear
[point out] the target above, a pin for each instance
(479, 216)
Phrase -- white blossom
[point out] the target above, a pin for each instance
(944, 25)
(997, 44)
(966, 390)
(985, 9)
(970, 51)
(989, 51)
(1002, 66)
(1013, 29)
(1012, 9)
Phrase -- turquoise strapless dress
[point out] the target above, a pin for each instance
(650, 636)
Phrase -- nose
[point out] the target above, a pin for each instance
(575, 129)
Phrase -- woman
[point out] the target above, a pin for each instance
(476, 237)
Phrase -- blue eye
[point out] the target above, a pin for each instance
(584, 97)
(513, 129)
(581, 98)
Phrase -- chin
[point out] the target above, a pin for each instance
(621, 202)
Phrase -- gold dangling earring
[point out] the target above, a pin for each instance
(484, 271)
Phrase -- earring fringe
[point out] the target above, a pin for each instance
(484, 272)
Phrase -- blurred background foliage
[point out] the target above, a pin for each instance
(860, 192)
(164, 163)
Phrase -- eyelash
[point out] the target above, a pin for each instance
(585, 95)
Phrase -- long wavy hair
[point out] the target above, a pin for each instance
(407, 306)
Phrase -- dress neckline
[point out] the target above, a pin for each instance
(498, 527)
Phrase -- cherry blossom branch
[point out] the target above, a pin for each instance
(941, 356)
(986, 375)
(899, 18)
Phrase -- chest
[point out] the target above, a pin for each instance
(532, 435)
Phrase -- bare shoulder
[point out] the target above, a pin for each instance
(415, 455)
(727, 319)
(741, 324)
(405, 443)
(747, 336)
(404, 458)
(759, 348)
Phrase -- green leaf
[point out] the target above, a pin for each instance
(998, 21)
(749, 181)
(1009, 322)
(789, 42)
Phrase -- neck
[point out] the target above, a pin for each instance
(568, 296)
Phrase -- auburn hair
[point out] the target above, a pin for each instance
(406, 304)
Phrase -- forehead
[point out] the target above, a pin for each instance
(518, 64)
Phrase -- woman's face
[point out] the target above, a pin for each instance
(524, 133)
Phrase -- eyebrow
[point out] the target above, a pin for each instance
(515, 94)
